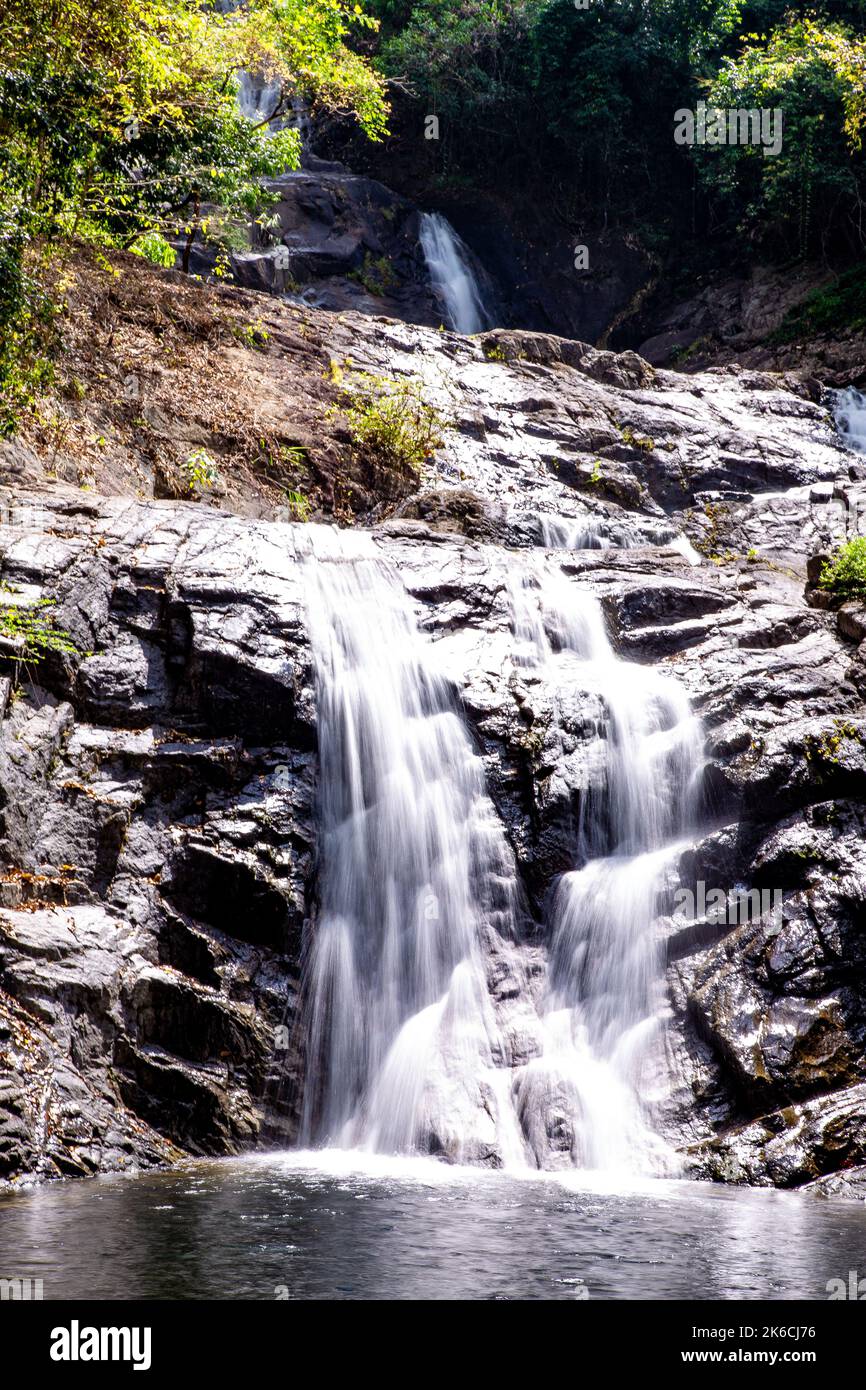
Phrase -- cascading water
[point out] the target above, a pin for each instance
(596, 533)
(452, 276)
(564, 533)
(850, 413)
(595, 1080)
(405, 1049)
(257, 99)
(414, 867)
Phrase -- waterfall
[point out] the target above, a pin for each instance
(414, 868)
(594, 1083)
(257, 98)
(406, 1052)
(596, 533)
(451, 275)
(850, 412)
(563, 533)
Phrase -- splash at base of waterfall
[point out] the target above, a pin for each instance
(602, 1074)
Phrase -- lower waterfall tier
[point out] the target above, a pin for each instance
(464, 834)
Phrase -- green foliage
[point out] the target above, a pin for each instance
(253, 335)
(154, 248)
(111, 111)
(390, 422)
(39, 634)
(26, 324)
(300, 507)
(828, 746)
(471, 65)
(637, 441)
(534, 85)
(837, 307)
(580, 103)
(376, 275)
(814, 73)
(294, 454)
(844, 574)
(119, 122)
(201, 472)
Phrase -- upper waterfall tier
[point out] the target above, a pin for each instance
(453, 275)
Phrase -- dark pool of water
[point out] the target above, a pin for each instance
(278, 1226)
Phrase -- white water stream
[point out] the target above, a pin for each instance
(602, 1063)
(452, 276)
(414, 867)
(850, 412)
(404, 1049)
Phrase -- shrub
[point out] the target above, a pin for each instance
(391, 424)
(844, 574)
(841, 305)
(154, 248)
(201, 471)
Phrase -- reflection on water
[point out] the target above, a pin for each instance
(416, 1229)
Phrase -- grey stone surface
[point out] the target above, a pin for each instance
(157, 790)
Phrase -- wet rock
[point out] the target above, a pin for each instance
(158, 784)
(158, 877)
(791, 1147)
(851, 621)
(345, 242)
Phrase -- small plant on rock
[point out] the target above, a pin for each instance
(35, 630)
(844, 574)
(391, 423)
(637, 441)
(377, 275)
(298, 506)
(253, 335)
(201, 471)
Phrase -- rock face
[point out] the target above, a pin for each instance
(158, 784)
(157, 833)
(348, 242)
(737, 318)
(340, 241)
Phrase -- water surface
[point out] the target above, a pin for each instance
(338, 1226)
